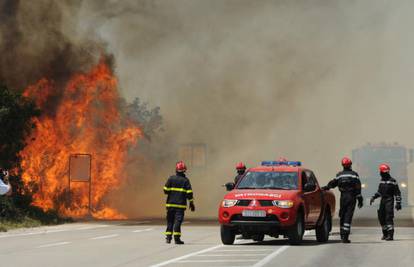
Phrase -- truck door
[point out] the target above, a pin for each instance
(306, 198)
(312, 197)
(317, 200)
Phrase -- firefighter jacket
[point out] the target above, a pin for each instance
(388, 188)
(347, 182)
(178, 190)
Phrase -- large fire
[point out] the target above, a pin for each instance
(87, 119)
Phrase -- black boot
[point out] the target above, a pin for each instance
(390, 235)
(345, 239)
(178, 241)
(384, 234)
(168, 239)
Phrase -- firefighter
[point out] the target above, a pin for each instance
(350, 187)
(178, 191)
(241, 170)
(387, 190)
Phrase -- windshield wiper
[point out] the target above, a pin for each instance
(274, 187)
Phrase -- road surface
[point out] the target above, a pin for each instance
(142, 244)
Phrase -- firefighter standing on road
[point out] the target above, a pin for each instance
(387, 190)
(178, 189)
(350, 187)
(241, 170)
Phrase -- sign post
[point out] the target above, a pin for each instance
(80, 171)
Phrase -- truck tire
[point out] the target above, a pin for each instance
(258, 237)
(295, 234)
(322, 231)
(227, 235)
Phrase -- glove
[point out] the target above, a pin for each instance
(360, 202)
(371, 201)
(325, 187)
(398, 206)
(192, 207)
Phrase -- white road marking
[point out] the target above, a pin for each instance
(53, 244)
(243, 250)
(143, 230)
(205, 261)
(267, 259)
(104, 237)
(52, 231)
(186, 256)
(231, 255)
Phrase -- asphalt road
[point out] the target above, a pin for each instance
(142, 244)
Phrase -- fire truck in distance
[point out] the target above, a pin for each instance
(367, 159)
(276, 198)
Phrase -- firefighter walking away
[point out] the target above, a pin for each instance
(350, 187)
(178, 190)
(387, 190)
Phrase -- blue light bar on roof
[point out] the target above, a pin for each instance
(282, 163)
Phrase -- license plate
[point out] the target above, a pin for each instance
(254, 213)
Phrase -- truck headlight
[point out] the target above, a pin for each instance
(403, 185)
(229, 203)
(284, 204)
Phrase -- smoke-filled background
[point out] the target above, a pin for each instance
(252, 80)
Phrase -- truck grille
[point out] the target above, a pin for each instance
(266, 203)
(243, 202)
(268, 218)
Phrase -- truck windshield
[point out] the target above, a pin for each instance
(269, 180)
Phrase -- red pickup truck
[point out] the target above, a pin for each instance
(276, 198)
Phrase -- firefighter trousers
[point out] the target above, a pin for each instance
(386, 214)
(346, 212)
(175, 218)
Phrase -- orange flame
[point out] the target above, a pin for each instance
(87, 120)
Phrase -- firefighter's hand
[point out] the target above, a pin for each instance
(371, 201)
(192, 207)
(360, 202)
(398, 206)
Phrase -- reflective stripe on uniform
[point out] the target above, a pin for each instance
(398, 198)
(347, 176)
(388, 182)
(176, 233)
(168, 233)
(178, 189)
(191, 200)
(176, 206)
(347, 224)
(390, 227)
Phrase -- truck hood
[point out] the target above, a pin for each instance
(261, 194)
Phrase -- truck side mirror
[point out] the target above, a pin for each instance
(310, 187)
(229, 186)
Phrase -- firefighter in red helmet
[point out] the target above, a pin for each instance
(241, 170)
(387, 190)
(178, 190)
(350, 187)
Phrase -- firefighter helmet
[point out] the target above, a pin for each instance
(346, 162)
(180, 167)
(240, 166)
(384, 168)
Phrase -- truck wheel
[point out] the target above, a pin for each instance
(322, 231)
(296, 233)
(227, 235)
(258, 237)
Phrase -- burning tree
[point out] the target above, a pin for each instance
(87, 119)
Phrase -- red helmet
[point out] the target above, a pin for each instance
(346, 162)
(240, 166)
(180, 167)
(384, 168)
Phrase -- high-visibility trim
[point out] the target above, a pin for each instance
(176, 233)
(178, 189)
(176, 206)
(347, 224)
(347, 176)
(388, 182)
(191, 200)
(168, 233)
